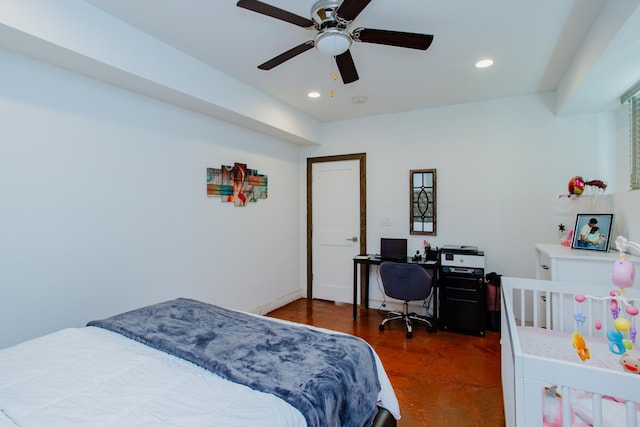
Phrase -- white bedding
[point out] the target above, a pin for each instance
(558, 346)
(90, 376)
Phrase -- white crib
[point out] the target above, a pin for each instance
(539, 307)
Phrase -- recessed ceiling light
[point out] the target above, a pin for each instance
(484, 63)
(359, 99)
(313, 94)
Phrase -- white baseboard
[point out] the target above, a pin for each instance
(277, 303)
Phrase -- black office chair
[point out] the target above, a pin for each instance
(406, 282)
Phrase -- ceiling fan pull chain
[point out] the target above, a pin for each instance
(334, 73)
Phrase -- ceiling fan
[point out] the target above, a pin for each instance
(331, 19)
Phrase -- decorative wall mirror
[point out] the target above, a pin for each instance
(422, 201)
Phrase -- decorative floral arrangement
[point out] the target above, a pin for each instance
(577, 185)
(427, 248)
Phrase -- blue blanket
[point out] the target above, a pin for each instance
(331, 379)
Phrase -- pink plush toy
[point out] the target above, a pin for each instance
(552, 408)
(623, 273)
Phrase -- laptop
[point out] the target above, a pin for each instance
(393, 249)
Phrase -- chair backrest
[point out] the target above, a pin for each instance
(405, 281)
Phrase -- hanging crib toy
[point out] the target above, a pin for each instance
(622, 337)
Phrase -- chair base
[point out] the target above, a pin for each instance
(407, 318)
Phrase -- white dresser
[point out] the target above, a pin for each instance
(563, 264)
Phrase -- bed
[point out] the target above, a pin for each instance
(543, 375)
(186, 363)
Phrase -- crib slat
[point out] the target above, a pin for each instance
(632, 420)
(566, 406)
(534, 298)
(547, 310)
(596, 408)
(522, 305)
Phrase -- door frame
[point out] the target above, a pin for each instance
(362, 157)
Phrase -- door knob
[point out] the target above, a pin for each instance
(353, 239)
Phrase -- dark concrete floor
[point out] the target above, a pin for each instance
(440, 379)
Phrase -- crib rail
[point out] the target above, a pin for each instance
(551, 305)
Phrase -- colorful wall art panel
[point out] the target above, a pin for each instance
(236, 184)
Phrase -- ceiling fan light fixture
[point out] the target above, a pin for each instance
(484, 63)
(332, 42)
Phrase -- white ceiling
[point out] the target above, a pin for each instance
(533, 43)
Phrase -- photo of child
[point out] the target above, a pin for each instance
(595, 238)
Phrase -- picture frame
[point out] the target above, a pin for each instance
(592, 232)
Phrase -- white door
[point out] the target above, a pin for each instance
(336, 228)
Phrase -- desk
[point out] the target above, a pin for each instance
(431, 265)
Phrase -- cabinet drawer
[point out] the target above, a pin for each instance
(461, 285)
(465, 294)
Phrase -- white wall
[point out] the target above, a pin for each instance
(104, 209)
(104, 206)
(627, 207)
(501, 166)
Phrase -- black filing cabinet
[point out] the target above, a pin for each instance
(462, 299)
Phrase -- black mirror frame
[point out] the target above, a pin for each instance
(414, 202)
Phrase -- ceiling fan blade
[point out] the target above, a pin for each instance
(285, 56)
(347, 68)
(275, 12)
(393, 38)
(350, 9)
